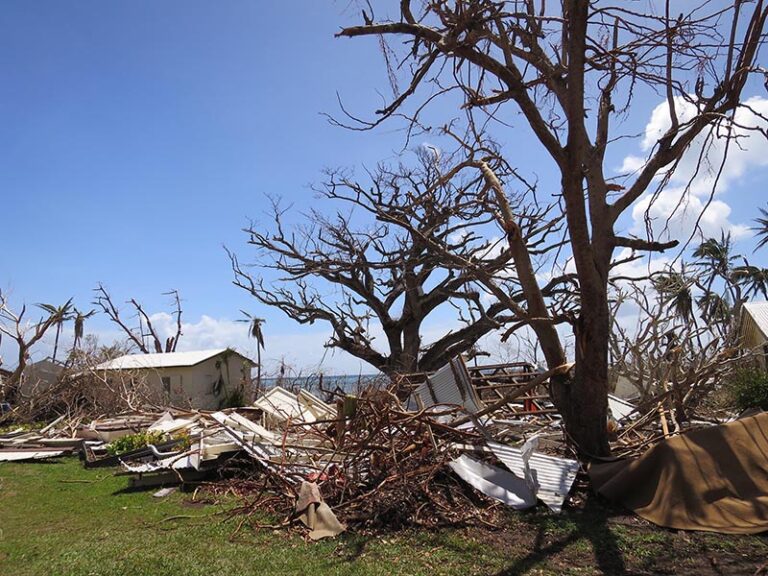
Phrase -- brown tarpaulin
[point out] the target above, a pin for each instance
(713, 479)
(316, 514)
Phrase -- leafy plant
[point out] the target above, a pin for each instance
(133, 442)
(182, 436)
(233, 399)
(749, 387)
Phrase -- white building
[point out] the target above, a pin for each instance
(201, 379)
(754, 329)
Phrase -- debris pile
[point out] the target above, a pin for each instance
(447, 448)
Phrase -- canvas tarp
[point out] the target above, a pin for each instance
(713, 479)
(316, 514)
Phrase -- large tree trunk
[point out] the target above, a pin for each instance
(583, 399)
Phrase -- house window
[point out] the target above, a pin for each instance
(166, 385)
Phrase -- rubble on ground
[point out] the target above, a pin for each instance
(453, 447)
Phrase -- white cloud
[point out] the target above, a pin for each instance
(302, 348)
(687, 197)
(639, 268)
(672, 214)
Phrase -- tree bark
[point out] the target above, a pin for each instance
(583, 398)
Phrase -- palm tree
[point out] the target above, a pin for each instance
(716, 261)
(60, 314)
(762, 228)
(755, 279)
(675, 291)
(254, 331)
(716, 254)
(80, 319)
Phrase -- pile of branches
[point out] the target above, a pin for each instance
(82, 394)
(387, 469)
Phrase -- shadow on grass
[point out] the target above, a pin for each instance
(52, 460)
(556, 533)
(354, 548)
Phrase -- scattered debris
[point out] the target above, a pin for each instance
(549, 477)
(430, 450)
(495, 482)
(9, 455)
(316, 514)
(163, 492)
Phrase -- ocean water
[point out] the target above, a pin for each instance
(345, 382)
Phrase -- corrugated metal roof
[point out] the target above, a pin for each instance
(449, 385)
(758, 311)
(167, 360)
(494, 482)
(620, 408)
(553, 476)
(304, 406)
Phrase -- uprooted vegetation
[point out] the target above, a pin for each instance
(452, 448)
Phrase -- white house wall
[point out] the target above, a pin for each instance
(193, 386)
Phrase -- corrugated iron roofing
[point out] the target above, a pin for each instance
(443, 387)
(758, 311)
(554, 476)
(167, 360)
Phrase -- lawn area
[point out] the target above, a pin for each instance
(59, 519)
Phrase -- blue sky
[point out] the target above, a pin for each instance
(139, 137)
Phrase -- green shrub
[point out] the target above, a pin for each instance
(184, 441)
(749, 387)
(134, 442)
(234, 399)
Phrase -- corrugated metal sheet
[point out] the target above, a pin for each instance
(282, 405)
(553, 476)
(620, 408)
(247, 436)
(168, 360)
(241, 423)
(494, 482)
(180, 462)
(758, 313)
(449, 385)
(19, 455)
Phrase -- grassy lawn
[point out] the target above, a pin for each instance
(57, 518)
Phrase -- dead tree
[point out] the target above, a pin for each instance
(145, 330)
(386, 274)
(25, 334)
(685, 315)
(665, 352)
(570, 69)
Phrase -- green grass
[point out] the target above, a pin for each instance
(60, 519)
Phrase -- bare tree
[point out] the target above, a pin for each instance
(145, 330)
(570, 69)
(386, 274)
(658, 344)
(81, 392)
(25, 334)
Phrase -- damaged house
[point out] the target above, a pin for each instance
(202, 379)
